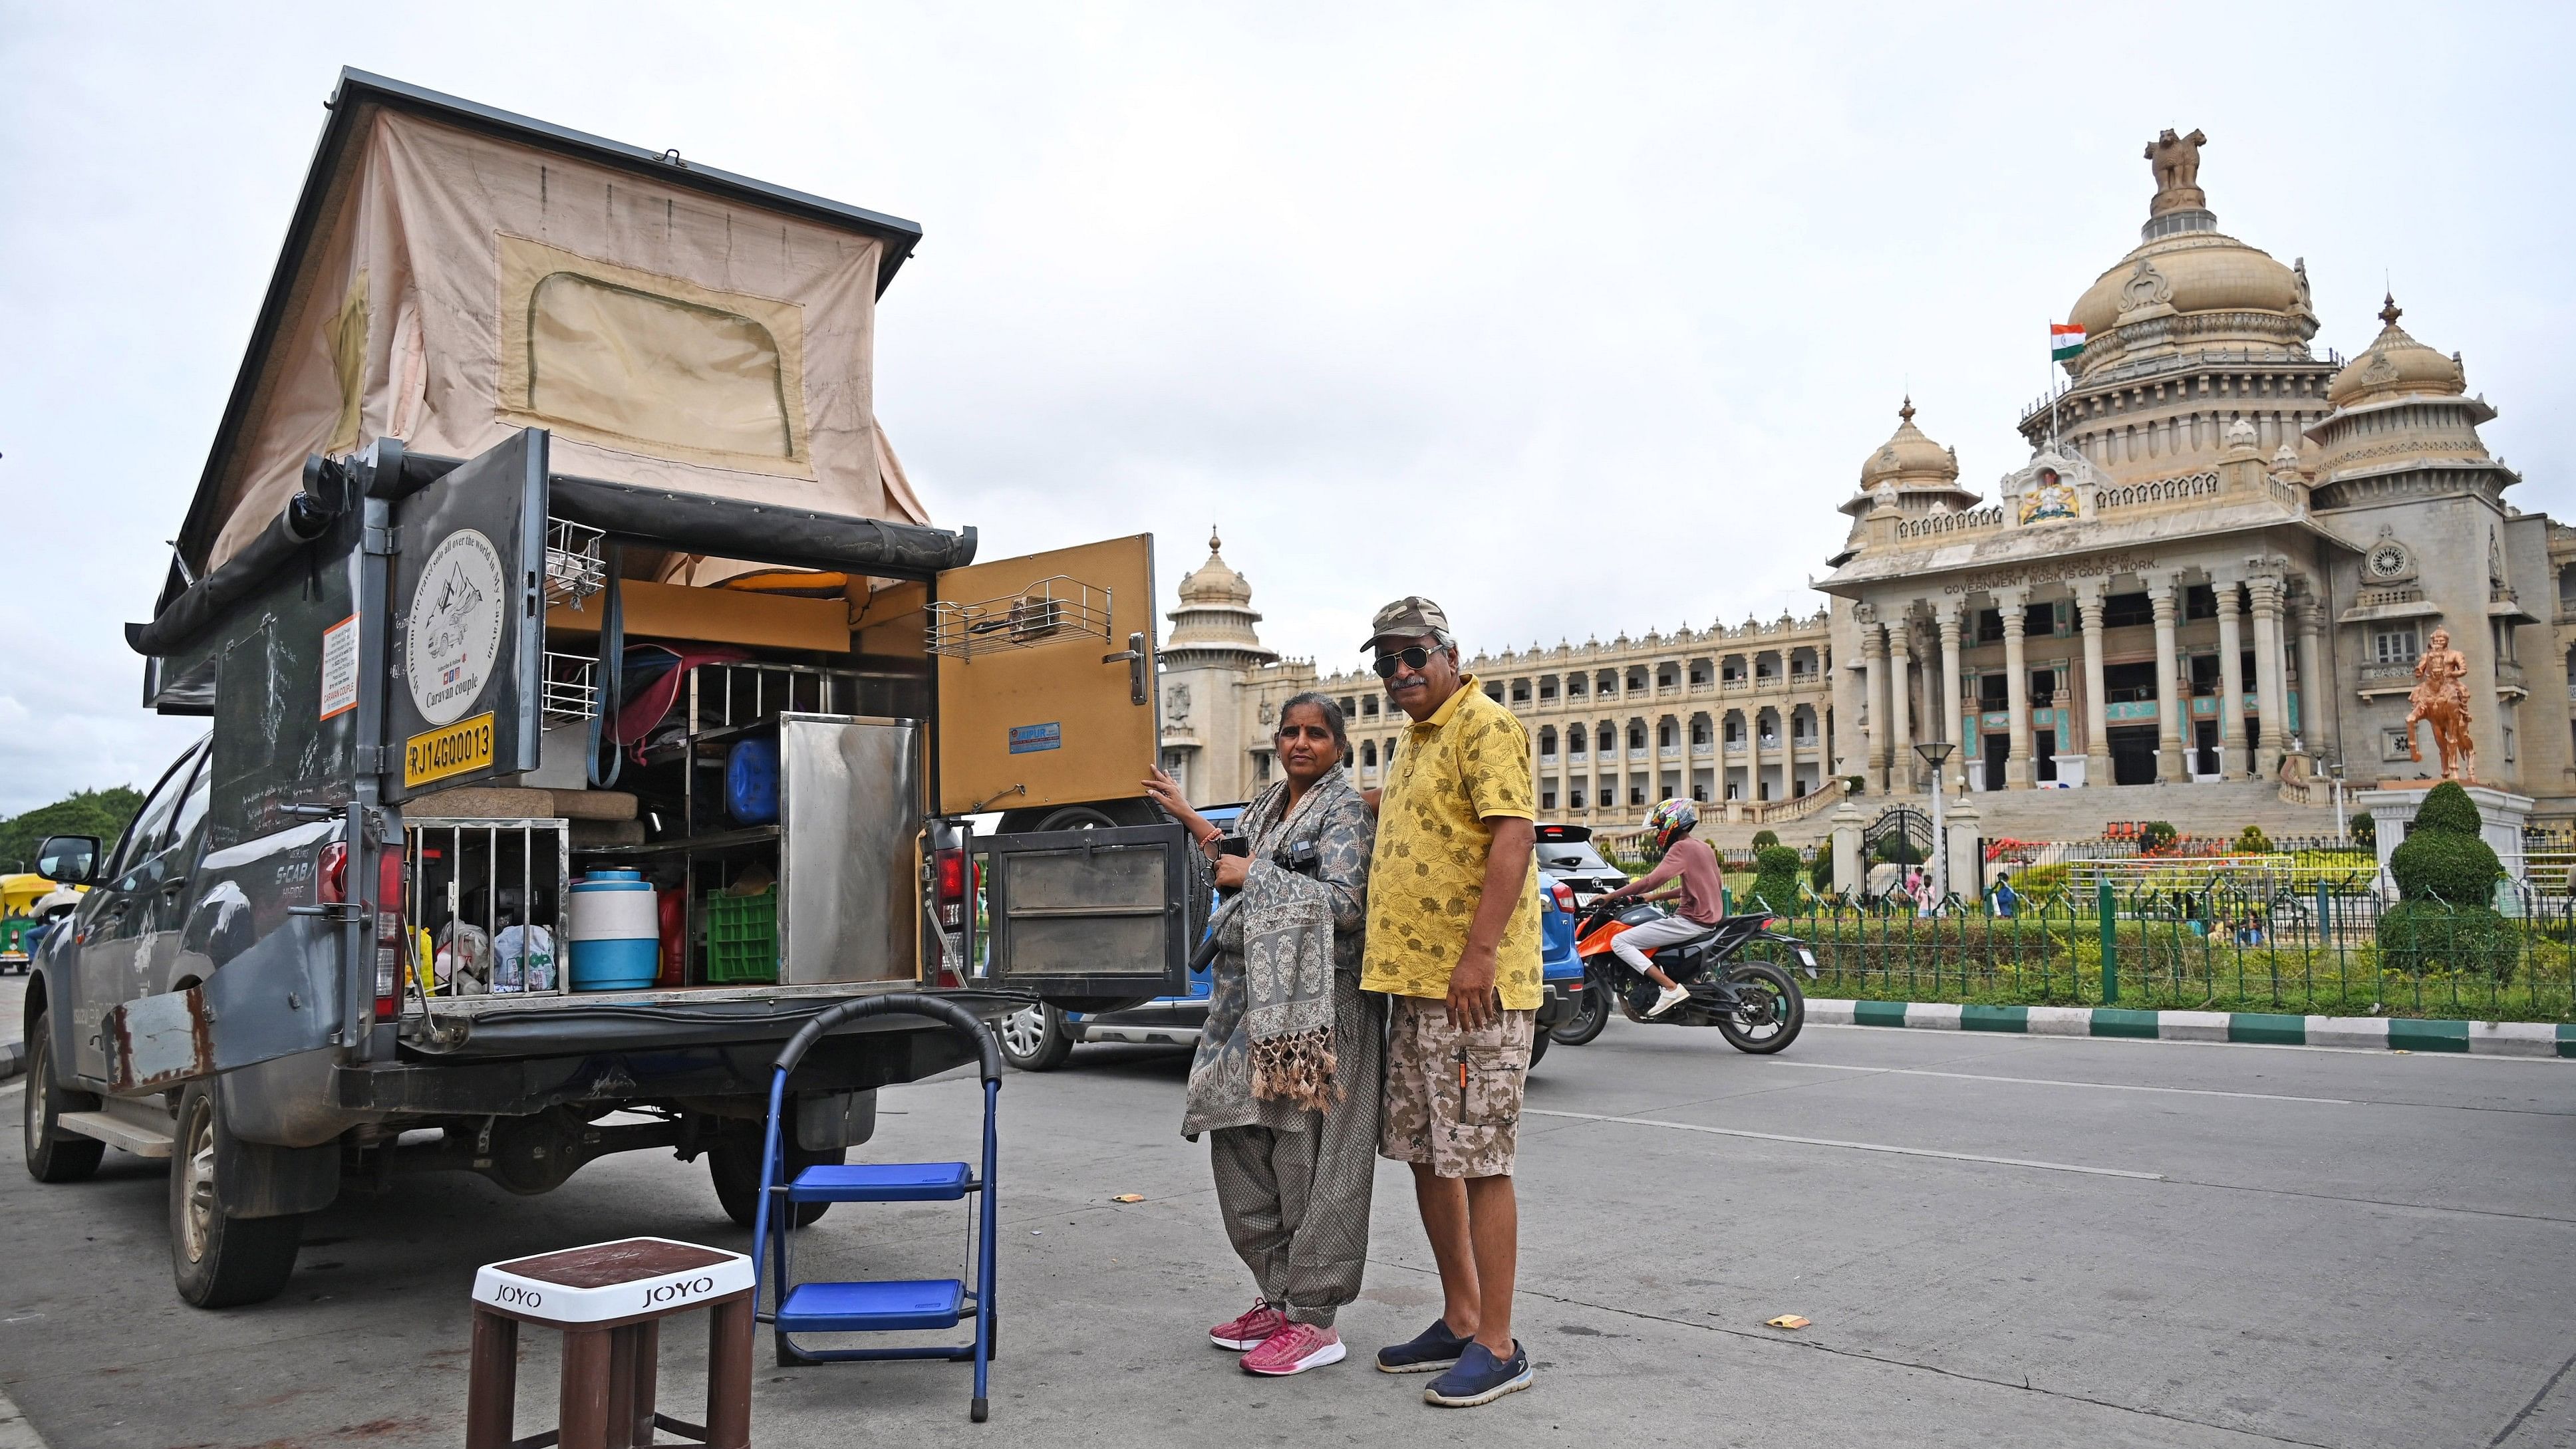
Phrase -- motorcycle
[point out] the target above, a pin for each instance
(1735, 975)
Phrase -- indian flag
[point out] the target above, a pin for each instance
(2065, 340)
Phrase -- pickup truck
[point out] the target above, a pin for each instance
(588, 705)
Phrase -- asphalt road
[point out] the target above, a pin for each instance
(2001, 1241)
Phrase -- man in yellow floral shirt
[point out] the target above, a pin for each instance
(1453, 938)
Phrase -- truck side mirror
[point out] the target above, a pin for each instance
(68, 859)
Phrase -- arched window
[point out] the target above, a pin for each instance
(1547, 740)
(1368, 753)
(1664, 733)
(1606, 738)
(1636, 736)
(1699, 730)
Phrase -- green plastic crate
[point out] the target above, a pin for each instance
(742, 938)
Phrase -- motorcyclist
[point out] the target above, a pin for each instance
(1691, 865)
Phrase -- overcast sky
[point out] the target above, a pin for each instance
(1577, 318)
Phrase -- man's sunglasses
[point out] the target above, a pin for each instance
(1413, 657)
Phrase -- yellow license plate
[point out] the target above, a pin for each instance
(454, 750)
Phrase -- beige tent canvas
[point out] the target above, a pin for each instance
(454, 273)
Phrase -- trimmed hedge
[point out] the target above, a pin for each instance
(2448, 807)
(1775, 876)
(2417, 937)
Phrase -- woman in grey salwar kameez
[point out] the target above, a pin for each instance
(1289, 1066)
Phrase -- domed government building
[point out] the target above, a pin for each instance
(2207, 589)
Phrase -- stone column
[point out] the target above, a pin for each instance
(1948, 621)
(2319, 710)
(2018, 773)
(1847, 863)
(2231, 684)
(1900, 725)
(2164, 591)
(2271, 703)
(1873, 652)
(1962, 823)
(2097, 709)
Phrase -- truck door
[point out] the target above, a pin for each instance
(116, 919)
(1047, 713)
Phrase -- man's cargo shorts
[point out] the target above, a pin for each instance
(1453, 1100)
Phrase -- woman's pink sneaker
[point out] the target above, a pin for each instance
(1293, 1350)
(1258, 1325)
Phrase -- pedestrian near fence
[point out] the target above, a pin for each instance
(1453, 938)
(1288, 1073)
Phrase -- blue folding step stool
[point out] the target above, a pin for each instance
(901, 1305)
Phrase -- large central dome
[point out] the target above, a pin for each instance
(2188, 287)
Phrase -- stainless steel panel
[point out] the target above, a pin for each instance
(849, 811)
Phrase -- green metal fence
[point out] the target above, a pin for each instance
(2239, 944)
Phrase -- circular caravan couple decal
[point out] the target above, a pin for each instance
(454, 629)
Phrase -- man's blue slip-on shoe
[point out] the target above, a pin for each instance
(1429, 1351)
(1479, 1378)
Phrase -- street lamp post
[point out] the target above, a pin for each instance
(1934, 752)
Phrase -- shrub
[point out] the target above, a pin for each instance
(2365, 831)
(2252, 841)
(2420, 936)
(2042, 882)
(2447, 807)
(2445, 866)
(1765, 836)
(1897, 850)
(1775, 876)
(2156, 835)
(1821, 874)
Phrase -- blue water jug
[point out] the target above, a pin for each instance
(751, 782)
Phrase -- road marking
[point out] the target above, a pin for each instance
(2059, 1082)
(1854, 1146)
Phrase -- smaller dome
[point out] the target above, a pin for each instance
(2396, 364)
(1908, 457)
(1215, 582)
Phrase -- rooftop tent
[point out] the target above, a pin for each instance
(454, 273)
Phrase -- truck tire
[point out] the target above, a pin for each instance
(219, 1261)
(1034, 1038)
(54, 1154)
(735, 1170)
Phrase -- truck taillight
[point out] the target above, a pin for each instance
(389, 933)
(331, 875)
(951, 867)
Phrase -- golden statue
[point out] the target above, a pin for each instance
(2441, 699)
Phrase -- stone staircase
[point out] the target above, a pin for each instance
(2220, 809)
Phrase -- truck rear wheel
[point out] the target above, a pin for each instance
(53, 1154)
(735, 1170)
(220, 1261)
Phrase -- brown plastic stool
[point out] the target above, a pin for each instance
(609, 1300)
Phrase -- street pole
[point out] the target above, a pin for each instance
(1934, 753)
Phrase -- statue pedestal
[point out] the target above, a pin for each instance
(2392, 807)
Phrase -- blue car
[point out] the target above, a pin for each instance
(1040, 1038)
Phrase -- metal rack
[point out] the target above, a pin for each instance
(568, 693)
(466, 871)
(576, 561)
(734, 696)
(1046, 612)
